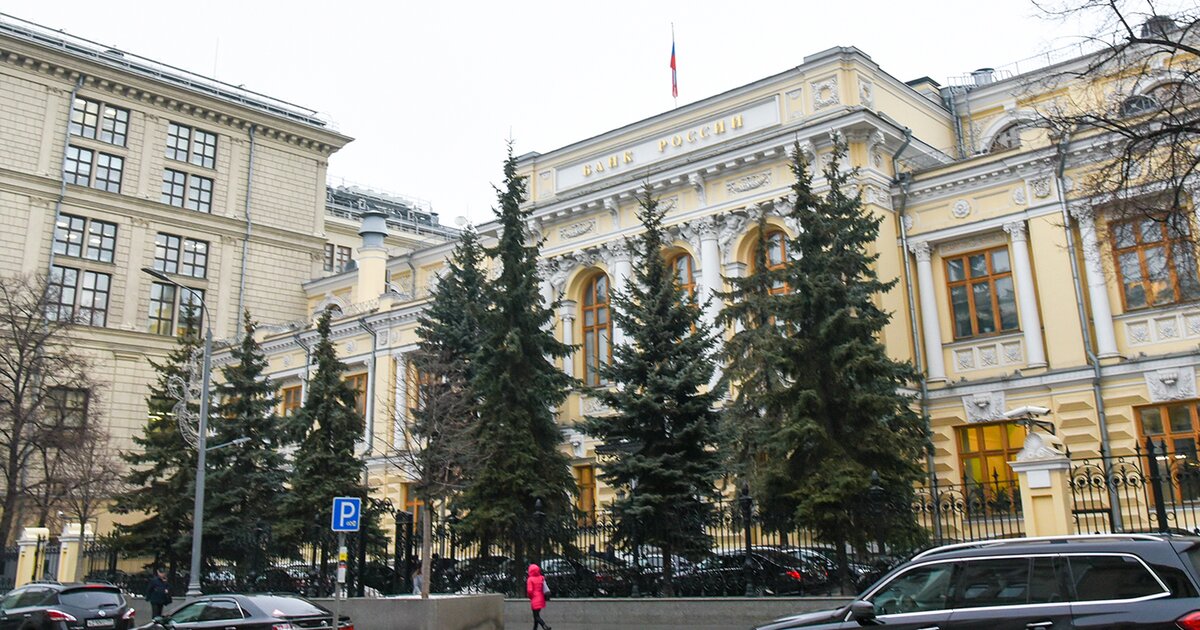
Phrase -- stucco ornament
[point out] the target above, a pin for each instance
(1171, 384)
(1037, 448)
(961, 209)
(825, 92)
(1018, 195)
(1041, 187)
(575, 230)
(984, 407)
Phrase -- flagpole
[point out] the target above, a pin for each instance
(674, 83)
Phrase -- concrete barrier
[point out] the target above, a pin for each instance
(439, 612)
(699, 613)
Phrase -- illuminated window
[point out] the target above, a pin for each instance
(412, 504)
(98, 121)
(585, 499)
(1155, 262)
(90, 168)
(175, 312)
(982, 298)
(81, 238)
(194, 146)
(1175, 427)
(418, 387)
(358, 382)
(597, 329)
(290, 401)
(184, 190)
(985, 449)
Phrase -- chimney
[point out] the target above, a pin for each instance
(372, 256)
(1158, 27)
(983, 76)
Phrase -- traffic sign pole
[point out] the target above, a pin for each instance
(341, 581)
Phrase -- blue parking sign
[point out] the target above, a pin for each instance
(346, 513)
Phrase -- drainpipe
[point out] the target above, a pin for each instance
(62, 169)
(249, 229)
(1114, 513)
(904, 182)
(412, 273)
(370, 439)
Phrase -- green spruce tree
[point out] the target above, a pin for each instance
(756, 369)
(245, 480)
(324, 465)
(519, 387)
(664, 429)
(162, 469)
(846, 413)
(441, 450)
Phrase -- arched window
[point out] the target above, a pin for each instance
(685, 273)
(597, 329)
(1138, 104)
(777, 254)
(1008, 138)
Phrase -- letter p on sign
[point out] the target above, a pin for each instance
(346, 514)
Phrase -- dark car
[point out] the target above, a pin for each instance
(248, 612)
(772, 572)
(1127, 581)
(54, 606)
(486, 574)
(588, 576)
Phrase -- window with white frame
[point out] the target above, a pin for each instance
(99, 121)
(80, 237)
(93, 168)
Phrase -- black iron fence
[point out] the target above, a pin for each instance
(1151, 489)
(588, 560)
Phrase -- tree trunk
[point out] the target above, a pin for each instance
(843, 566)
(668, 572)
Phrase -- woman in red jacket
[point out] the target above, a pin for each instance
(536, 589)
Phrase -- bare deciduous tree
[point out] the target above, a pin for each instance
(92, 473)
(40, 373)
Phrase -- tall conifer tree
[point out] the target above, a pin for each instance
(245, 481)
(324, 465)
(846, 413)
(519, 387)
(162, 470)
(664, 429)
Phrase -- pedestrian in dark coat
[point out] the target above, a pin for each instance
(536, 589)
(158, 593)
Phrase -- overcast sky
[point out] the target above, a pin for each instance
(431, 90)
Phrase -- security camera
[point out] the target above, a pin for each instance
(1028, 410)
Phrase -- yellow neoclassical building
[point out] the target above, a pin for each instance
(1014, 290)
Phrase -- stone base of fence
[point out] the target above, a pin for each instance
(698, 613)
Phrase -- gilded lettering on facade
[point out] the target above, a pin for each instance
(692, 136)
(611, 162)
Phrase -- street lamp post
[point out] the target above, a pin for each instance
(193, 589)
(747, 508)
(540, 517)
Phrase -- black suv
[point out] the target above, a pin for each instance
(54, 606)
(1126, 581)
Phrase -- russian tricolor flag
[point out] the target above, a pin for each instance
(674, 81)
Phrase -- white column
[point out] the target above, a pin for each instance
(622, 270)
(1031, 322)
(710, 268)
(400, 401)
(1102, 321)
(935, 366)
(566, 311)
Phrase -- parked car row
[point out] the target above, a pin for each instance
(94, 606)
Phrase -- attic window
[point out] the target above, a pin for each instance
(1008, 138)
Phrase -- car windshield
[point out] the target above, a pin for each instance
(781, 558)
(278, 606)
(91, 598)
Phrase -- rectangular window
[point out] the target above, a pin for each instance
(290, 402)
(175, 312)
(195, 258)
(1155, 262)
(68, 235)
(358, 382)
(585, 501)
(69, 406)
(982, 296)
(194, 146)
(166, 253)
(60, 301)
(1175, 427)
(174, 185)
(329, 256)
(341, 258)
(89, 168)
(985, 449)
(199, 193)
(93, 298)
(78, 168)
(77, 295)
(99, 121)
(102, 241)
